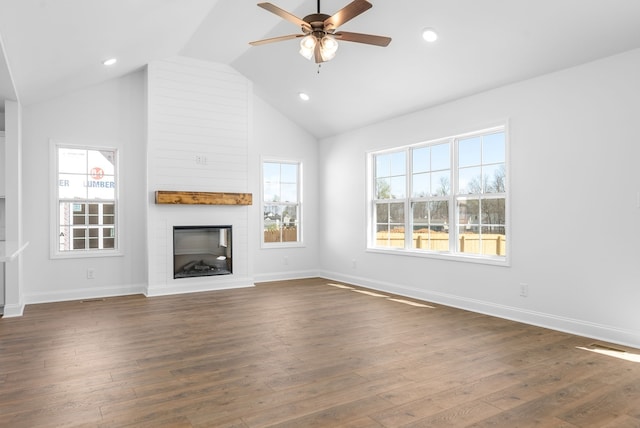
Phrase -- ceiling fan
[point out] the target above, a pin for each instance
(319, 35)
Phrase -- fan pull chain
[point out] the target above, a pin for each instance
(319, 65)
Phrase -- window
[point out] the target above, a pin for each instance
(86, 201)
(442, 198)
(281, 203)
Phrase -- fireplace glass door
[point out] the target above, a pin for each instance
(201, 251)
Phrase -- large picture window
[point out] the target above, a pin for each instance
(86, 201)
(442, 198)
(281, 203)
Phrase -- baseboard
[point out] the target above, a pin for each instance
(568, 325)
(84, 293)
(11, 311)
(283, 276)
(196, 285)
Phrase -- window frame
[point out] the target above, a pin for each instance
(55, 200)
(300, 204)
(453, 197)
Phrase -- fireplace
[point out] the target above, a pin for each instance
(201, 251)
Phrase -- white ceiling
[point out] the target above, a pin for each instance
(56, 46)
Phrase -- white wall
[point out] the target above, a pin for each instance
(575, 185)
(274, 136)
(109, 114)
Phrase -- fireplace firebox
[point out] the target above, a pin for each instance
(201, 251)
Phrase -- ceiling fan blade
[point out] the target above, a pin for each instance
(347, 13)
(363, 38)
(275, 39)
(284, 15)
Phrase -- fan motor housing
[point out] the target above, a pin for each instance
(316, 20)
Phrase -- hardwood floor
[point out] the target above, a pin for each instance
(300, 354)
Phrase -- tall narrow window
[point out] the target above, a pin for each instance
(481, 195)
(445, 197)
(281, 202)
(86, 200)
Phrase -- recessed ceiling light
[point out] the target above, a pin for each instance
(109, 61)
(304, 96)
(430, 35)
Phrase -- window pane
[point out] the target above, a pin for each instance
(289, 192)
(421, 213)
(383, 189)
(398, 163)
(271, 192)
(494, 177)
(469, 181)
(383, 165)
(493, 148)
(72, 160)
(79, 244)
(469, 152)
(72, 186)
(398, 187)
(421, 185)
(469, 214)
(382, 213)
(289, 173)
(396, 213)
(105, 188)
(101, 162)
(493, 214)
(440, 157)
(108, 243)
(439, 214)
(420, 159)
(440, 183)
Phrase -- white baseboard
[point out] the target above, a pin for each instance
(283, 276)
(84, 293)
(11, 311)
(196, 285)
(568, 325)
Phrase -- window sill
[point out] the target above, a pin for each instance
(465, 258)
(277, 245)
(86, 254)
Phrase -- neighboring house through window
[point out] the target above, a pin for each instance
(86, 201)
(281, 203)
(442, 198)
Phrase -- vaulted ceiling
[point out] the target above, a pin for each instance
(53, 47)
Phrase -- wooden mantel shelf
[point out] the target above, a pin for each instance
(203, 198)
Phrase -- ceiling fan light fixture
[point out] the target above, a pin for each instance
(328, 47)
(307, 46)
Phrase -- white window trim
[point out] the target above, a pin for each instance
(453, 212)
(274, 245)
(54, 211)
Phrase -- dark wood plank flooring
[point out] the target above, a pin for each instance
(300, 354)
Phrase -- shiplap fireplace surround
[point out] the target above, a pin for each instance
(198, 140)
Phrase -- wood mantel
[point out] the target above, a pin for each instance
(203, 198)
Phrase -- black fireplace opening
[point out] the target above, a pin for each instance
(201, 251)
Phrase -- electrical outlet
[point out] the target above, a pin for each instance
(353, 264)
(524, 289)
(286, 260)
(91, 273)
